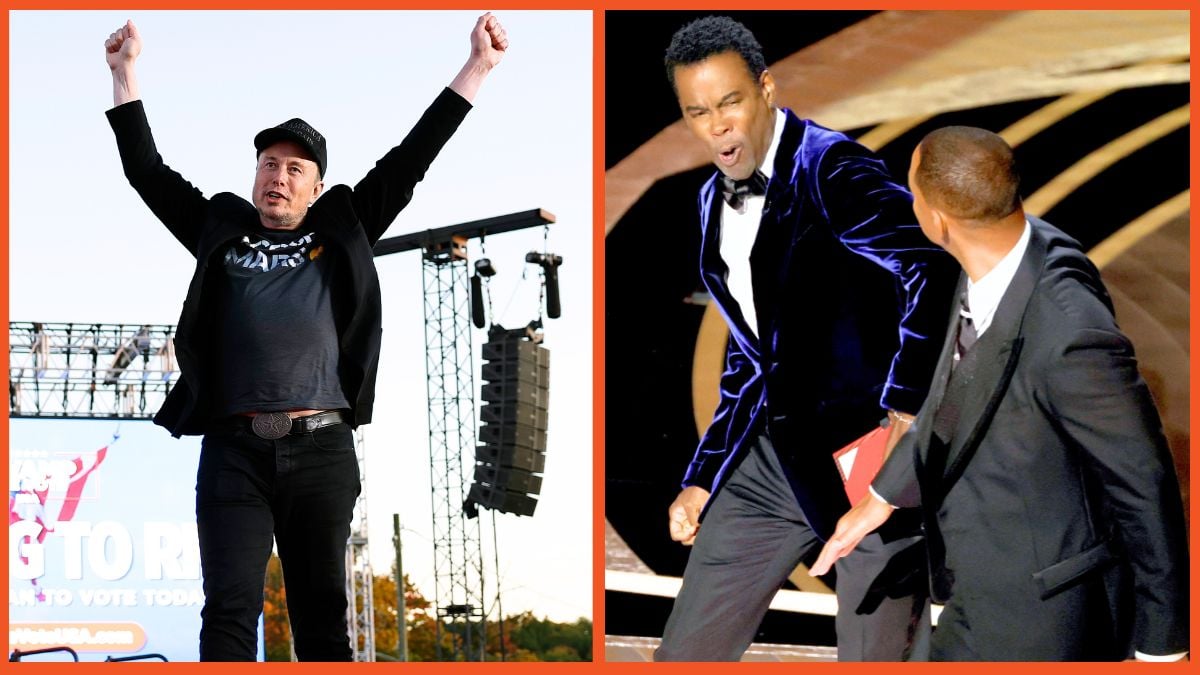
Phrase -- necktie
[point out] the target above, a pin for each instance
(945, 423)
(945, 420)
(736, 191)
(966, 328)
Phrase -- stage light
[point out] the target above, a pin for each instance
(483, 268)
(549, 263)
(477, 316)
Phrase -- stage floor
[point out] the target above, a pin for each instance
(628, 648)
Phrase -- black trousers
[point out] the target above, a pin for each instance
(300, 490)
(753, 536)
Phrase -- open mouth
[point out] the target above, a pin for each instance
(271, 194)
(730, 155)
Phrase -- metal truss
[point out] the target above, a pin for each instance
(89, 370)
(359, 589)
(458, 559)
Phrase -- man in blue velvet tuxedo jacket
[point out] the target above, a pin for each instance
(1053, 517)
(836, 308)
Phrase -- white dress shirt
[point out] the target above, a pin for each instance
(984, 296)
(738, 231)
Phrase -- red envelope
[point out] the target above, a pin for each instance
(859, 461)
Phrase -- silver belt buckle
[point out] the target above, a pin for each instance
(272, 425)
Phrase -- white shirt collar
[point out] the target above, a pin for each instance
(984, 295)
(768, 165)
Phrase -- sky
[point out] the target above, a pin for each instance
(83, 247)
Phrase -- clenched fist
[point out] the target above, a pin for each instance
(489, 40)
(123, 46)
(684, 514)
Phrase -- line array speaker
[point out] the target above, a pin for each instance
(511, 454)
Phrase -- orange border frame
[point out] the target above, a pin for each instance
(598, 7)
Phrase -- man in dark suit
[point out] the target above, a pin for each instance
(1052, 512)
(810, 252)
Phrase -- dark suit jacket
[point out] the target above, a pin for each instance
(1058, 488)
(350, 219)
(838, 261)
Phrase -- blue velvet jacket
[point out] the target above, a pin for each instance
(850, 299)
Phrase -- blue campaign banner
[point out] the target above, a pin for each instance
(103, 555)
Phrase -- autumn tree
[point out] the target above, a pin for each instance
(525, 637)
(420, 618)
(277, 632)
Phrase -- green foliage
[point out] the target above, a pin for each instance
(552, 641)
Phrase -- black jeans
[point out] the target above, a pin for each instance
(301, 489)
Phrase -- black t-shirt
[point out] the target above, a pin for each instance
(279, 339)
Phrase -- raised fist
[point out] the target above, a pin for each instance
(489, 40)
(123, 46)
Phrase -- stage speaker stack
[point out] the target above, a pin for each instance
(511, 454)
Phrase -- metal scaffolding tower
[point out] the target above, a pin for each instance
(450, 387)
(359, 590)
(458, 559)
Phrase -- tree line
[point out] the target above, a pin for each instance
(525, 637)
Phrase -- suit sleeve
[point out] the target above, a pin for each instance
(1105, 410)
(388, 187)
(872, 216)
(896, 482)
(173, 200)
(714, 446)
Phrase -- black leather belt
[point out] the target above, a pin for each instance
(272, 425)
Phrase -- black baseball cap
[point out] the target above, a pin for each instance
(298, 131)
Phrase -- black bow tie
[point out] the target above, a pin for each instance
(736, 191)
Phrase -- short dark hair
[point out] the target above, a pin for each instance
(968, 172)
(710, 36)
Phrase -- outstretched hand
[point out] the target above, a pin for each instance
(863, 519)
(123, 46)
(489, 40)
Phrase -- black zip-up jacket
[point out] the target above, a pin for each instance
(349, 220)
